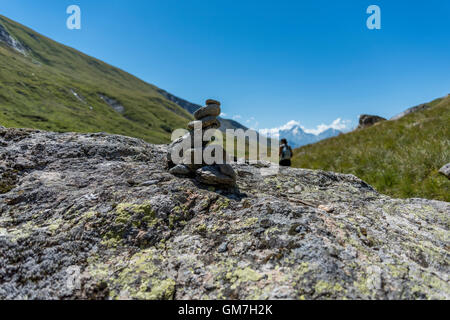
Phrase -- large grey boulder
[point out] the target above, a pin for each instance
(97, 216)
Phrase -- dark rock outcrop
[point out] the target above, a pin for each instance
(11, 41)
(366, 120)
(113, 103)
(97, 216)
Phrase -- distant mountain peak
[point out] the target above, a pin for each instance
(297, 136)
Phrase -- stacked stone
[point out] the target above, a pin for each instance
(217, 174)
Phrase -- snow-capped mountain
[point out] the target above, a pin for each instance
(328, 134)
(297, 137)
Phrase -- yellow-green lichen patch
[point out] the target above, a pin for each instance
(55, 225)
(302, 269)
(128, 215)
(323, 287)
(179, 215)
(220, 205)
(397, 271)
(125, 212)
(22, 231)
(428, 286)
(8, 181)
(142, 277)
(249, 222)
(243, 275)
(362, 287)
(201, 228)
(89, 215)
(161, 290)
(271, 230)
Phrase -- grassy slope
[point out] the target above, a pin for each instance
(35, 92)
(400, 158)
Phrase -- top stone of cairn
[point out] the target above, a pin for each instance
(212, 109)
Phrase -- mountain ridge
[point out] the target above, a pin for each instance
(192, 107)
(55, 87)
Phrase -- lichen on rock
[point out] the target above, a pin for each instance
(105, 210)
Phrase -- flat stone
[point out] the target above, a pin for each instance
(325, 208)
(261, 164)
(227, 169)
(223, 247)
(204, 123)
(149, 183)
(181, 170)
(445, 170)
(211, 175)
(212, 110)
(212, 101)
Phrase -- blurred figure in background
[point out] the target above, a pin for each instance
(285, 153)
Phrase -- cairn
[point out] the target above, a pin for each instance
(192, 161)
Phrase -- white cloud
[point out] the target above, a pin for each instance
(223, 115)
(237, 116)
(338, 124)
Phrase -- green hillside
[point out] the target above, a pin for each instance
(54, 87)
(400, 158)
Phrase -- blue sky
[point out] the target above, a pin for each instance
(269, 62)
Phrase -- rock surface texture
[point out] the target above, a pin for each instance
(216, 174)
(96, 216)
